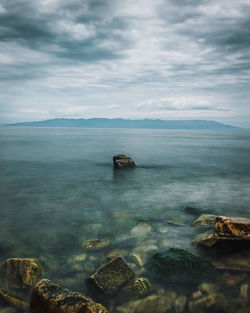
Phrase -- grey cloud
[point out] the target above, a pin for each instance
(25, 24)
(101, 52)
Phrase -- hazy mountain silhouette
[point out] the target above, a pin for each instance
(126, 123)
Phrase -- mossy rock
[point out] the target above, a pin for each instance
(51, 298)
(20, 273)
(178, 265)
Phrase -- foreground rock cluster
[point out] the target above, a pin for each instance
(146, 280)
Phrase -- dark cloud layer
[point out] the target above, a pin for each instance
(187, 58)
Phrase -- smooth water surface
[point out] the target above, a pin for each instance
(58, 189)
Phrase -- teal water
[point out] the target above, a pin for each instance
(58, 189)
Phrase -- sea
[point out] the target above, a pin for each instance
(59, 190)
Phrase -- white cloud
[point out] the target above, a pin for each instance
(2, 9)
(180, 103)
(76, 30)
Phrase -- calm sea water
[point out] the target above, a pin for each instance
(58, 189)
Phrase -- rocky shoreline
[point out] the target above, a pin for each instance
(144, 280)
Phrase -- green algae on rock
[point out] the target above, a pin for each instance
(178, 265)
(113, 275)
(51, 298)
(19, 273)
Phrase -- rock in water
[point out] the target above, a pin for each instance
(205, 221)
(139, 287)
(225, 228)
(13, 301)
(246, 310)
(51, 298)
(122, 161)
(150, 304)
(96, 243)
(141, 229)
(111, 276)
(178, 265)
(19, 273)
(232, 228)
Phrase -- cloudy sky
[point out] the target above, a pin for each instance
(168, 59)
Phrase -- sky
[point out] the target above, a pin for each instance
(159, 59)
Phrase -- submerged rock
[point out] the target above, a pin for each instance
(225, 228)
(15, 302)
(19, 273)
(205, 221)
(142, 251)
(115, 253)
(139, 287)
(192, 210)
(180, 304)
(206, 239)
(122, 161)
(208, 297)
(141, 229)
(8, 310)
(51, 298)
(178, 265)
(113, 275)
(97, 244)
(150, 304)
(245, 310)
(232, 280)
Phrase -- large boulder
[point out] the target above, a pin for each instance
(180, 266)
(20, 273)
(113, 275)
(122, 161)
(51, 298)
(225, 228)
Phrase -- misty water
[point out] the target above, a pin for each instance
(58, 189)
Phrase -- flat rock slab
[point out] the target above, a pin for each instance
(113, 275)
(122, 161)
(51, 298)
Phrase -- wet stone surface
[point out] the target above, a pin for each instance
(52, 298)
(112, 276)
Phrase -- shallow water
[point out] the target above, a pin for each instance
(58, 189)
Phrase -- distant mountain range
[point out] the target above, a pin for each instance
(126, 123)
